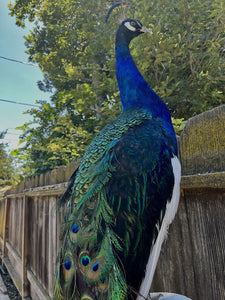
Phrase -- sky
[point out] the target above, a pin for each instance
(18, 82)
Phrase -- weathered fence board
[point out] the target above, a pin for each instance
(193, 258)
(16, 223)
(192, 261)
(2, 219)
(25, 247)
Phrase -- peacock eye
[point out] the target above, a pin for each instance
(75, 228)
(67, 263)
(132, 23)
(95, 267)
(85, 260)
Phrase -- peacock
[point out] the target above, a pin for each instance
(124, 195)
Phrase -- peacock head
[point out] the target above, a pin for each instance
(129, 29)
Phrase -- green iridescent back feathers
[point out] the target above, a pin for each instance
(88, 253)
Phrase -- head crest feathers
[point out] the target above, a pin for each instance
(123, 3)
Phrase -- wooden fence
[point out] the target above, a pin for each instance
(192, 261)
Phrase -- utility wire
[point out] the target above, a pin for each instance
(20, 103)
(19, 61)
(11, 133)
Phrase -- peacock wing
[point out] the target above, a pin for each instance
(88, 263)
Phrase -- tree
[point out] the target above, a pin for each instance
(183, 61)
(7, 172)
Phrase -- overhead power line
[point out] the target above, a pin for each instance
(18, 61)
(20, 103)
(11, 133)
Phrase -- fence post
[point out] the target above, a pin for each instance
(25, 248)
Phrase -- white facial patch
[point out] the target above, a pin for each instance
(131, 28)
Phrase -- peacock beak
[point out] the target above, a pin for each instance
(145, 30)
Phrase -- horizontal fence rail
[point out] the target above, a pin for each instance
(192, 258)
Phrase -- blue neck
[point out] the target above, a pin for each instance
(134, 90)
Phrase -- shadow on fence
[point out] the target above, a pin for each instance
(193, 257)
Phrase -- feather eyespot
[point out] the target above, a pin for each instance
(95, 267)
(85, 260)
(75, 228)
(103, 280)
(67, 263)
(103, 284)
(94, 271)
(74, 231)
(67, 267)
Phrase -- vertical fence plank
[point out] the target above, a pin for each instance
(25, 247)
(6, 226)
(45, 242)
(2, 219)
(52, 243)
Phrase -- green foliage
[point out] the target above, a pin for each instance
(178, 125)
(7, 172)
(183, 61)
(185, 58)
